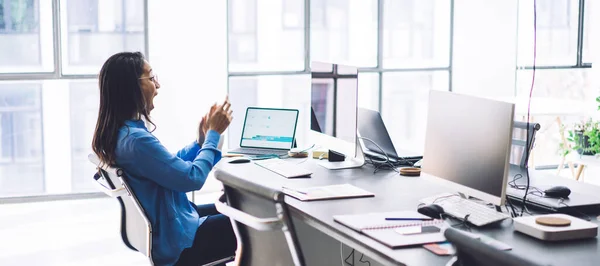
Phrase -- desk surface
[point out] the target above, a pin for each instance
(394, 192)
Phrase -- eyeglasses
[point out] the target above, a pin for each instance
(151, 78)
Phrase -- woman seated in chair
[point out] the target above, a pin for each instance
(183, 233)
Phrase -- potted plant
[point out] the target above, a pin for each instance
(585, 137)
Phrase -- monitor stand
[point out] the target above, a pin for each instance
(355, 162)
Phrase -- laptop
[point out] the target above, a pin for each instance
(576, 202)
(268, 131)
(371, 126)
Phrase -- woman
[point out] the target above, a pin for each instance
(183, 233)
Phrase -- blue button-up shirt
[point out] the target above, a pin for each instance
(160, 180)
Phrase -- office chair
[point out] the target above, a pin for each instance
(262, 223)
(136, 230)
(472, 252)
(520, 129)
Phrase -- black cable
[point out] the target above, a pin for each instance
(513, 184)
(529, 103)
(380, 164)
(461, 221)
(444, 197)
(561, 202)
(514, 213)
(387, 157)
(507, 210)
(587, 217)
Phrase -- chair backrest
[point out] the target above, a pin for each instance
(136, 230)
(471, 251)
(520, 153)
(261, 221)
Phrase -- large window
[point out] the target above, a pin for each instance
(344, 31)
(21, 142)
(416, 33)
(563, 84)
(402, 49)
(49, 92)
(25, 36)
(264, 38)
(97, 28)
(84, 103)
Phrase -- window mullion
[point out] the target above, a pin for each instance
(56, 37)
(580, 33)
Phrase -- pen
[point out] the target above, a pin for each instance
(406, 219)
(295, 190)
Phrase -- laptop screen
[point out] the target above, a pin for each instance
(269, 128)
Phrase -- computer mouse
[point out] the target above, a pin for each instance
(557, 192)
(240, 160)
(432, 210)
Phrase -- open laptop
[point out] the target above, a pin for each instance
(371, 126)
(268, 131)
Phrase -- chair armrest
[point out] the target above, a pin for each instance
(261, 224)
(113, 193)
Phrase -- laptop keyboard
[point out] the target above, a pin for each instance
(255, 151)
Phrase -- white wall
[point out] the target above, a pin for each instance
(485, 47)
(188, 52)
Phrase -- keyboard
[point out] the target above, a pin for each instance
(283, 168)
(455, 206)
(257, 151)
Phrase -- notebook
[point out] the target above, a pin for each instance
(342, 191)
(395, 234)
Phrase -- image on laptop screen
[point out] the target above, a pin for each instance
(269, 128)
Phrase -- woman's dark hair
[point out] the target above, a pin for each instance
(121, 99)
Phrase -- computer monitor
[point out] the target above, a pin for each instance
(467, 144)
(334, 111)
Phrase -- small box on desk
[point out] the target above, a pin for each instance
(320, 154)
(577, 229)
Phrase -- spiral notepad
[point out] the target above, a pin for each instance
(377, 221)
(377, 227)
(405, 224)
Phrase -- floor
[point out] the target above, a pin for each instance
(66, 233)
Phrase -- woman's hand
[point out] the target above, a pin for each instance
(220, 117)
(202, 129)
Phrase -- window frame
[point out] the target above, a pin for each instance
(378, 69)
(579, 63)
(58, 17)
(245, 33)
(58, 14)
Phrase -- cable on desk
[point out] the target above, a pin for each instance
(287, 155)
(587, 217)
(513, 184)
(561, 201)
(514, 213)
(444, 197)
(379, 165)
(527, 141)
(462, 222)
